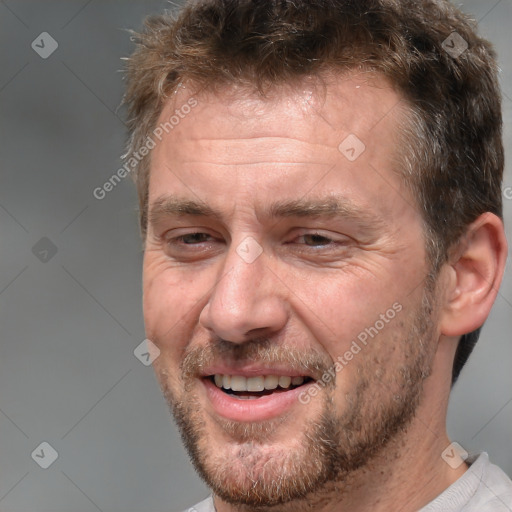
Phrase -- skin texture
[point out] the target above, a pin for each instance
(319, 282)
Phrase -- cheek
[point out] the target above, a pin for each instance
(339, 307)
(169, 304)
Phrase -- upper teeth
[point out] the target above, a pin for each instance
(259, 383)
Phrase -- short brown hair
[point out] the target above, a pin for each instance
(453, 153)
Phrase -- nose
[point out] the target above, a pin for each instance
(246, 301)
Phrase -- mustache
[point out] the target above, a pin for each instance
(261, 350)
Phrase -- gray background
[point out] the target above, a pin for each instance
(68, 375)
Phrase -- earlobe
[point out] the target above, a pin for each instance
(475, 276)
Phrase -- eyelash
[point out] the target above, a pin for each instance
(330, 240)
(181, 239)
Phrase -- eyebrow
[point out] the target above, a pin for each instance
(326, 207)
(331, 206)
(172, 206)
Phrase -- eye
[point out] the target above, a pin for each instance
(319, 244)
(191, 238)
(315, 240)
(190, 246)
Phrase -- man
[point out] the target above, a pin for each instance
(320, 201)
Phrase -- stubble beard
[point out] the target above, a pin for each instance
(331, 448)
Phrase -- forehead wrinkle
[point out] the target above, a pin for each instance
(253, 150)
(272, 163)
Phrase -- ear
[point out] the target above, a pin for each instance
(475, 272)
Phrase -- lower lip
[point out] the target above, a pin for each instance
(260, 409)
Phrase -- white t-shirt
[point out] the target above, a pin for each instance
(484, 487)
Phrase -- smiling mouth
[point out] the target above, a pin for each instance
(252, 388)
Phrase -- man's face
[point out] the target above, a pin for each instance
(277, 248)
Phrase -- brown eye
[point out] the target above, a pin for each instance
(315, 239)
(193, 238)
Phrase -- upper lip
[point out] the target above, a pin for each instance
(253, 370)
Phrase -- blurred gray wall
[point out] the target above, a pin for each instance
(70, 278)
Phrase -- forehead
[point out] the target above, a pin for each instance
(321, 108)
(251, 148)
